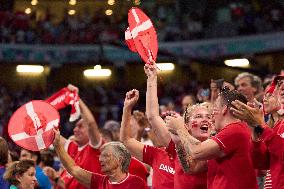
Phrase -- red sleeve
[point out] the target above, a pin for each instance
(230, 137)
(72, 148)
(149, 154)
(274, 142)
(97, 180)
(137, 168)
(260, 155)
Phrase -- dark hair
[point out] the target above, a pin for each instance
(229, 96)
(4, 151)
(17, 168)
(47, 158)
(34, 153)
(219, 83)
(106, 133)
(14, 155)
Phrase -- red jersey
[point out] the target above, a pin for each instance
(137, 168)
(189, 181)
(184, 180)
(234, 170)
(130, 182)
(86, 157)
(86, 154)
(163, 166)
(274, 141)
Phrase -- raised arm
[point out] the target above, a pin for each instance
(254, 116)
(81, 175)
(152, 105)
(135, 147)
(93, 131)
(195, 149)
(142, 122)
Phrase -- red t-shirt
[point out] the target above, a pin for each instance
(163, 166)
(274, 141)
(234, 170)
(184, 180)
(86, 157)
(189, 181)
(137, 168)
(130, 182)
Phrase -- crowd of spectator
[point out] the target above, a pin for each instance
(171, 25)
(109, 104)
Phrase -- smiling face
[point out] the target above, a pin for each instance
(200, 123)
(81, 133)
(27, 179)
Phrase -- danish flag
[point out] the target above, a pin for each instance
(31, 126)
(141, 36)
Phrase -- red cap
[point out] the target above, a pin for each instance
(274, 83)
(31, 126)
(141, 35)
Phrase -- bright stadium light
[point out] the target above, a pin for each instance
(30, 69)
(109, 12)
(71, 12)
(34, 2)
(111, 2)
(97, 72)
(166, 66)
(242, 63)
(28, 10)
(72, 2)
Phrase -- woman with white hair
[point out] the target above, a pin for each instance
(114, 160)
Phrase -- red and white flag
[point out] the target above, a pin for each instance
(141, 35)
(31, 126)
(63, 98)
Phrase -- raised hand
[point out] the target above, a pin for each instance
(174, 123)
(251, 113)
(131, 98)
(50, 172)
(73, 88)
(141, 119)
(151, 70)
(56, 141)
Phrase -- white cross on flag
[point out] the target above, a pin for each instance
(141, 36)
(31, 126)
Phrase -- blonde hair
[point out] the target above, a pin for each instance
(191, 108)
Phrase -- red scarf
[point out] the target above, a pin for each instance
(63, 98)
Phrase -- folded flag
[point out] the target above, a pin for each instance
(63, 98)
